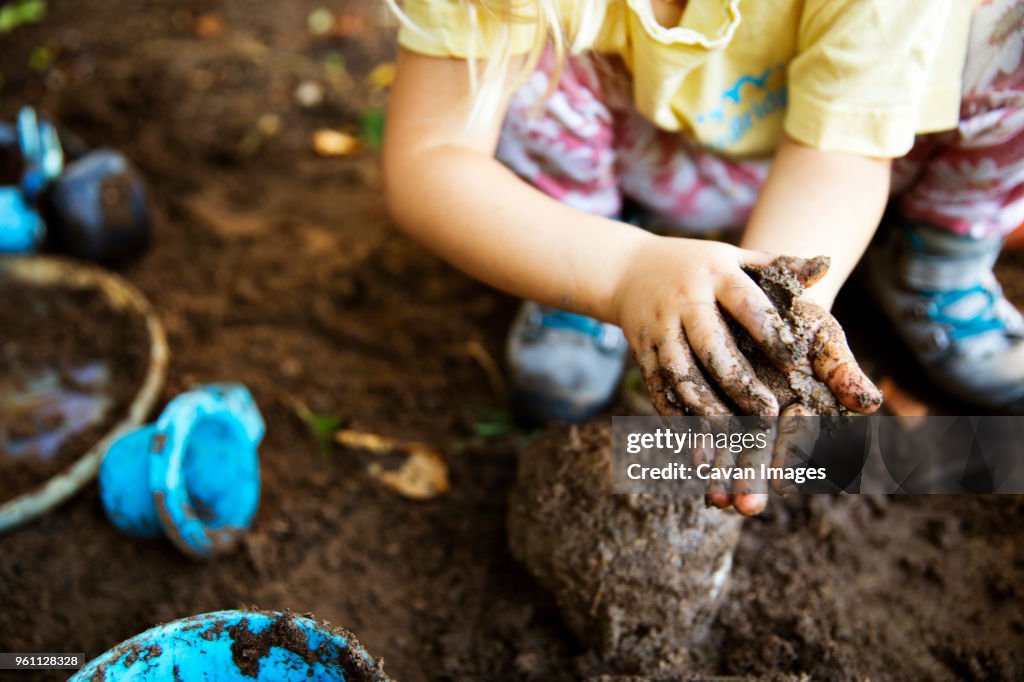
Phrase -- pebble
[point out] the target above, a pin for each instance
(309, 94)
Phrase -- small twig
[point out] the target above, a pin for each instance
(476, 350)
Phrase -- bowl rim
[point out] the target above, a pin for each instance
(51, 271)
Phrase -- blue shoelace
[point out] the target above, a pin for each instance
(964, 327)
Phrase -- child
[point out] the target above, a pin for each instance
(781, 117)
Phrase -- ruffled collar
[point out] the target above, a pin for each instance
(707, 23)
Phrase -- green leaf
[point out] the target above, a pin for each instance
(40, 59)
(493, 429)
(372, 127)
(322, 426)
(491, 422)
(21, 12)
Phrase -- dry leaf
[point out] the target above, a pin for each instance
(366, 441)
(423, 474)
(327, 142)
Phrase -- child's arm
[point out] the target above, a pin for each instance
(446, 189)
(816, 202)
(829, 203)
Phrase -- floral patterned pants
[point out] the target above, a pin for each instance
(587, 147)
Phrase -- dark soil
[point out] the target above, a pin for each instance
(639, 578)
(58, 331)
(277, 268)
(877, 588)
(822, 588)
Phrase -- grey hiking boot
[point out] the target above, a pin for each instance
(563, 366)
(939, 292)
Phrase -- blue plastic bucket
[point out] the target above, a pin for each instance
(21, 228)
(237, 646)
(193, 475)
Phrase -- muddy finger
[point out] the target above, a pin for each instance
(681, 373)
(750, 493)
(703, 453)
(797, 434)
(748, 304)
(808, 271)
(662, 395)
(719, 490)
(835, 365)
(716, 348)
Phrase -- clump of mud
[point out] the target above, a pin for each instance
(248, 649)
(783, 288)
(638, 578)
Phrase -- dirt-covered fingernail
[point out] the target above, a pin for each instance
(854, 390)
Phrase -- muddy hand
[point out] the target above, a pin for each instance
(692, 363)
(830, 360)
(797, 433)
(831, 377)
(821, 351)
(672, 303)
(673, 308)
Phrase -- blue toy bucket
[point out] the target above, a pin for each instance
(237, 646)
(193, 475)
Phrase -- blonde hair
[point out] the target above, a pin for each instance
(573, 33)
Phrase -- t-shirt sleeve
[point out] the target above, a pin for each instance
(870, 74)
(442, 28)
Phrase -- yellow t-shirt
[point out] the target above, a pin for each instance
(857, 76)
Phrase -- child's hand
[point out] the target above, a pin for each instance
(670, 302)
(793, 438)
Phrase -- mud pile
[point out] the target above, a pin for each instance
(638, 578)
